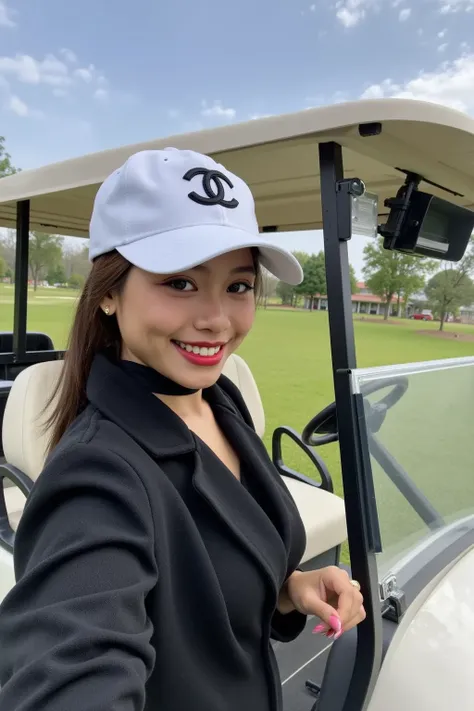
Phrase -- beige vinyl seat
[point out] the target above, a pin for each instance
(25, 442)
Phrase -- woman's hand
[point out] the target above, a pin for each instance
(327, 593)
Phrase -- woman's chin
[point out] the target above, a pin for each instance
(200, 381)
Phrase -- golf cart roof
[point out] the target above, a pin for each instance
(278, 158)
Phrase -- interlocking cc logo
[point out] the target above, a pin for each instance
(212, 183)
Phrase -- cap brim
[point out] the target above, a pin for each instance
(177, 250)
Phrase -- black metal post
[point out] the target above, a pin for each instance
(359, 509)
(406, 486)
(21, 279)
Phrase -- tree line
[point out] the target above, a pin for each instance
(50, 259)
(446, 286)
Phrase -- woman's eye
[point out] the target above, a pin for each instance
(180, 284)
(240, 287)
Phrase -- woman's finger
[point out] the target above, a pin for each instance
(349, 597)
(356, 620)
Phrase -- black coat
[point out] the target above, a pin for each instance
(148, 575)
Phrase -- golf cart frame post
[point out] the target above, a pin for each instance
(20, 354)
(359, 496)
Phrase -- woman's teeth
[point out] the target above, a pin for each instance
(197, 350)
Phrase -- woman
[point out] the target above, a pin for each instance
(157, 554)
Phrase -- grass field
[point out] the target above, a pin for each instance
(289, 354)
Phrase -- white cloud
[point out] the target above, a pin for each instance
(451, 84)
(50, 70)
(351, 12)
(443, 47)
(6, 15)
(28, 70)
(217, 110)
(255, 117)
(20, 108)
(85, 73)
(101, 94)
(58, 74)
(68, 55)
(442, 34)
(448, 7)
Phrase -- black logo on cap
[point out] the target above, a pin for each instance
(212, 183)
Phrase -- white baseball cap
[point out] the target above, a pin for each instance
(169, 210)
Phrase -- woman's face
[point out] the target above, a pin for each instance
(186, 325)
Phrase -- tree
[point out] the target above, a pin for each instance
(302, 257)
(286, 292)
(390, 273)
(452, 286)
(76, 281)
(76, 260)
(447, 291)
(45, 252)
(8, 248)
(56, 275)
(352, 274)
(6, 167)
(3, 267)
(269, 284)
(314, 281)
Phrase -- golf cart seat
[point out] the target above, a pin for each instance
(25, 443)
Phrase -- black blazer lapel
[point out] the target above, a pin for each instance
(241, 514)
(277, 500)
(126, 401)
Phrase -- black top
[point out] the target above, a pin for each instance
(148, 575)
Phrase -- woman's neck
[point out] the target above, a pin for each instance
(185, 406)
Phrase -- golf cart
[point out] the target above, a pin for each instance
(405, 167)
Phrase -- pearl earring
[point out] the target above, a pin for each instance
(107, 311)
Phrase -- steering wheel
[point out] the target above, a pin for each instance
(322, 428)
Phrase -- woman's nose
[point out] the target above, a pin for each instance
(212, 316)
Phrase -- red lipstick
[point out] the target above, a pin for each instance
(196, 358)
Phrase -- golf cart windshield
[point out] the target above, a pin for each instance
(419, 424)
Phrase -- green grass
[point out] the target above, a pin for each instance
(49, 310)
(288, 351)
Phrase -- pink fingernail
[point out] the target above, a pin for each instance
(335, 623)
(337, 635)
(319, 628)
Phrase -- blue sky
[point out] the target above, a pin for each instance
(81, 77)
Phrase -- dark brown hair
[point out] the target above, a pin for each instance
(93, 332)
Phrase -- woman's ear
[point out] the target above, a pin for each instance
(108, 306)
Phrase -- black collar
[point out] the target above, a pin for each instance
(129, 403)
(154, 381)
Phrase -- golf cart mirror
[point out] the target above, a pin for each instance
(426, 225)
(364, 209)
(358, 208)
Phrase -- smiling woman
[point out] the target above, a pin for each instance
(159, 542)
